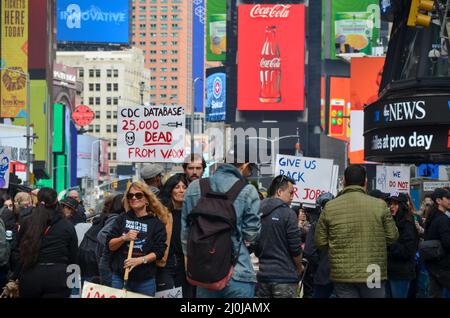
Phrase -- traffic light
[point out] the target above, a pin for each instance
(418, 13)
(337, 127)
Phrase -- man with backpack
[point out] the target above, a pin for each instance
(219, 220)
(278, 249)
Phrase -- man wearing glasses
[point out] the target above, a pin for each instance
(278, 249)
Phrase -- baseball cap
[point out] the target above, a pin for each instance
(399, 197)
(151, 170)
(71, 203)
(440, 193)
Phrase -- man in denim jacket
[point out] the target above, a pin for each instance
(242, 284)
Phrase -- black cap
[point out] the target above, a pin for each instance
(440, 193)
(71, 203)
(399, 197)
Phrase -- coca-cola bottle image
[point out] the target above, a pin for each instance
(270, 68)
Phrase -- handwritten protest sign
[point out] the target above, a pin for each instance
(393, 179)
(5, 160)
(151, 134)
(170, 293)
(91, 290)
(312, 175)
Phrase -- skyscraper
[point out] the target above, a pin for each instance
(161, 29)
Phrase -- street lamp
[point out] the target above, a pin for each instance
(193, 112)
(28, 121)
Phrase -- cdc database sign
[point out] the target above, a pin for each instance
(96, 21)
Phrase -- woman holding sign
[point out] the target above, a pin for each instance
(144, 223)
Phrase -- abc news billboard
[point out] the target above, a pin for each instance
(96, 21)
(271, 43)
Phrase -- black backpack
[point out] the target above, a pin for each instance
(210, 252)
(87, 251)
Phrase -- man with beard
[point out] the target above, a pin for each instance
(194, 167)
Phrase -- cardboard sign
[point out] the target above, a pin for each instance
(176, 292)
(91, 290)
(313, 176)
(151, 134)
(393, 179)
(5, 161)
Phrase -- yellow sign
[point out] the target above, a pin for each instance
(14, 53)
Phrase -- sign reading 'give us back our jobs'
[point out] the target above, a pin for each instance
(313, 176)
(151, 134)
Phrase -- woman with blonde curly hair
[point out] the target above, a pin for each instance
(144, 223)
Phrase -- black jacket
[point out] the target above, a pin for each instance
(279, 242)
(78, 216)
(401, 257)
(151, 238)
(319, 263)
(437, 227)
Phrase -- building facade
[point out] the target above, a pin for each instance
(161, 29)
(110, 79)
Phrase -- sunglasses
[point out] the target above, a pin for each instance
(137, 195)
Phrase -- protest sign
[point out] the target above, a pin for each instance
(393, 179)
(312, 175)
(91, 290)
(176, 292)
(151, 134)
(430, 186)
(5, 159)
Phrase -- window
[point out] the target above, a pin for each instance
(91, 101)
(115, 116)
(152, 60)
(91, 87)
(97, 73)
(152, 69)
(91, 128)
(174, 87)
(97, 115)
(152, 87)
(174, 78)
(97, 128)
(163, 60)
(174, 60)
(115, 101)
(114, 142)
(174, 42)
(174, 34)
(162, 78)
(152, 96)
(116, 87)
(174, 51)
(97, 101)
(153, 78)
(163, 86)
(114, 128)
(116, 73)
(142, 43)
(109, 156)
(108, 100)
(108, 87)
(108, 73)
(108, 128)
(91, 73)
(163, 69)
(163, 34)
(173, 96)
(163, 43)
(164, 52)
(153, 52)
(142, 26)
(153, 43)
(97, 87)
(108, 114)
(114, 156)
(174, 69)
(81, 72)
(163, 96)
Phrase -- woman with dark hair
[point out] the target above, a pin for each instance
(401, 265)
(111, 210)
(144, 224)
(171, 270)
(47, 245)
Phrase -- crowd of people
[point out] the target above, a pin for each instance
(353, 245)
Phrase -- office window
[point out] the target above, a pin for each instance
(162, 78)
(174, 69)
(163, 86)
(108, 114)
(153, 42)
(174, 51)
(97, 128)
(152, 96)
(152, 60)
(108, 87)
(115, 142)
(115, 115)
(97, 101)
(163, 34)
(142, 26)
(109, 156)
(163, 96)
(91, 73)
(174, 78)
(153, 78)
(97, 87)
(152, 51)
(142, 43)
(152, 69)
(174, 87)
(174, 60)
(81, 72)
(97, 73)
(152, 87)
(91, 128)
(163, 69)
(116, 87)
(163, 60)
(164, 52)
(115, 101)
(174, 42)
(91, 87)
(116, 73)
(108, 128)
(174, 34)
(163, 43)
(97, 115)
(142, 34)
(91, 101)
(108, 73)
(108, 100)
(114, 156)
(114, 128)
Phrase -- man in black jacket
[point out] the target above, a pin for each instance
(278, 249)
(437, 227)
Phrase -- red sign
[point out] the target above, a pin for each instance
(82, 115)
(271, 44)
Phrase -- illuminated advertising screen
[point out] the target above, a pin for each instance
(95, 21)
(271, 42)
(216, 30)
(215, 96)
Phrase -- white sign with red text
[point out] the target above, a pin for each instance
(151, 134)
(313, 176)
(91, 290)
(392, 179)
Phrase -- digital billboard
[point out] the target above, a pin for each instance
(14, 58)
(216, 30)
(198, 52)
(215, 96)
(95, 21)
(271, 42)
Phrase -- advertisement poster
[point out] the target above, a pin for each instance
(14, 59)
(198, 53)
(313, 176)
(95, 21)
(216, 97)
(216, 30)
(355, 26)
(151, 134)
(14, 137)
(5, 159)
(271, 44)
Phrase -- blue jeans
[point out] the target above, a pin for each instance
(145, 287)
(234, 289)
(397, 288)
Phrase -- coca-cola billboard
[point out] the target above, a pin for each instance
(271, 43)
